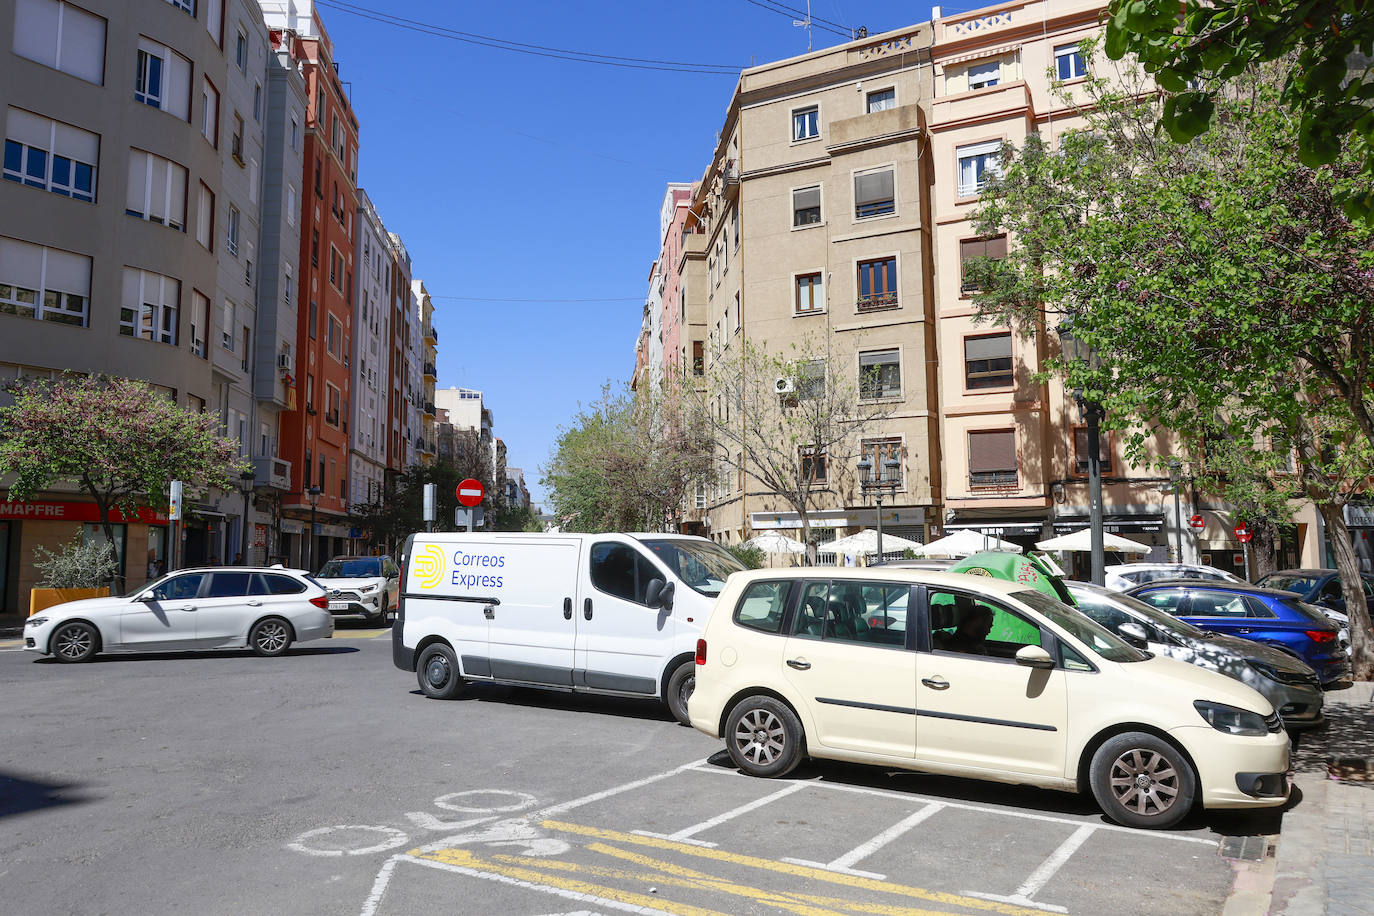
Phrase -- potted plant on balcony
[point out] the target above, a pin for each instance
(76, 570)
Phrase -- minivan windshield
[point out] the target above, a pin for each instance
(702, 565)
(1083, 628)
(357, 568)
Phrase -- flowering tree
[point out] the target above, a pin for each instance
(120, 440)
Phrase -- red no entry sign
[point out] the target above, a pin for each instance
(1197, 522)
(470, 493)
(1243, 532)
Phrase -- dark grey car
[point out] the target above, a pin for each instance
(1286, 682)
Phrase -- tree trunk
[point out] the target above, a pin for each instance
(1264, 547)
(117, 580)
(806, 536)
(1361, 638)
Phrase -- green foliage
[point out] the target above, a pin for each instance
(750, 556)
(518, 518)
(1328, 88)
(75, 565)
(400, 512)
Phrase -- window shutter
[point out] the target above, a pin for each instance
(873, 187)
(806, 198)
(21, 264)
(68, 272)
(993, 450)
(998, 346)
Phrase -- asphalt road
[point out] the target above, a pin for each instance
(323, 782)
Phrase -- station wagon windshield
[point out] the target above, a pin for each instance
(1082, 627)
(361, 568)
(700, 564)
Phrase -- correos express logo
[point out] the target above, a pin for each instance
(429, 566)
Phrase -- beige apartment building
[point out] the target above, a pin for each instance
(811, 228)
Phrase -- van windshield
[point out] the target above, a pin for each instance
(702, 565)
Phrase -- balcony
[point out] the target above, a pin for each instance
(272, 472)
(428, 409)
(431, 335)
(431, 372)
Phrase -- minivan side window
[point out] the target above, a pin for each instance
(851, 611)
(620, 570)
(762, 605)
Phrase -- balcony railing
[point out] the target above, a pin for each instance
(874, 301)
(431, 371)
(1000, 480)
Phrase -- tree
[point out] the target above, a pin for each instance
(1327, 44)
(1221, 281)
(399, 512)
(627, 462)
(796, 442)
(122, 441)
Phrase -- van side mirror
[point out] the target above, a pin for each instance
(1134, 634)
(1034, 657)
(659, 594)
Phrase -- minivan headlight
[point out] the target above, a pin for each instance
(1232, 720)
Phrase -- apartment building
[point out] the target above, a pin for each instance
(314, 437)
(672, 215)
(813, 223)
(372, 352)
(406, 322)
(429, 372)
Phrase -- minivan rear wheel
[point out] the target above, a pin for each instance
(764, 737)
(438, 673)
(1140, 780)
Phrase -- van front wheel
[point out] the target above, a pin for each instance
(438, 673)
(680, 687)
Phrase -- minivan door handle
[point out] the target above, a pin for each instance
(567, 609)
(587, 609)
(935, 683)
(798, 664)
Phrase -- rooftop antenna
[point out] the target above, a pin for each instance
(806, 24)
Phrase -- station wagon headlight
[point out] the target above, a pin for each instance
(36, 621)
(1232, 720)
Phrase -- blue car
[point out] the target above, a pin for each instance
(1276, 618)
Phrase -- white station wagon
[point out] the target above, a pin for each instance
(975, 677)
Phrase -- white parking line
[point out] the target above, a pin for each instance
(685, 836)
(861, 852)
(1041, 876)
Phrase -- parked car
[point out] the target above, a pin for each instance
(1123, 576)
(217, 608)
(365, 587)
(1264, 615)
(787, 669)
(1287, 682)
(1321, 587)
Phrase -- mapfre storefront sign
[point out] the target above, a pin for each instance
(55, 511)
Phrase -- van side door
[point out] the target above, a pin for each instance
(622, 643)
(530, 633)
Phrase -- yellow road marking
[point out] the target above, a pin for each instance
(464, 858)
(799, 871)
(11, 643)
(358, 634)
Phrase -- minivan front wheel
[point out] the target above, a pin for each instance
(1140, 780)
(764, 737)
(680, 687)
(438, 673)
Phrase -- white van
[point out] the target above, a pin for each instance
(598, 613)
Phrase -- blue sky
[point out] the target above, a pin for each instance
(527, 188)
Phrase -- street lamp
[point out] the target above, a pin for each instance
(246, 480)
(888, 478)
(1176, 481)
(1076, 350)
(313, 494)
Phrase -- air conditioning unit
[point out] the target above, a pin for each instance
(283, 360)
(785, 384)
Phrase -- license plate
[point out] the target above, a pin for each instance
(338, 605)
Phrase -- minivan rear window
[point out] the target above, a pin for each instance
(762, 605)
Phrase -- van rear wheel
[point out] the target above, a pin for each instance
(438, 674)
(680, 687)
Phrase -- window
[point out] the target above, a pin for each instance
(314, 318)
(813, 465)
(334, 335)
(854, 611)
(879, 452)
(286, 286)
(179, 588)
(257, 101)
(214, 19)
(319, 173)
(987, 361)
(241, 51)
(873, 193)
(810, 379)
(44, 283)
(150, 305)
(1068, 62)
(61, 36)
(209, 112)
(157, 190)
(335, 267)
(162, 79)
(200, 315)
(295, 134)
(985, 74)
(698, 358)
(310, 407)
(315, 247)
(806, 206)
(992, 458)
(236, 140)
(877, 284)
(880, 374)
(205, 217)
(964, 624)
(995, 247)
(1081, 453)
(977, 165)
(226, 326)
(762, 606)
(806, 123)
(880, 100)
(331, 413)
(622, 571)
(290, 205)
(50, 155)
(810, 295)
(232, 242)
(248, 263)
(253, 180)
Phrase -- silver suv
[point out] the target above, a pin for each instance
(1129, 575)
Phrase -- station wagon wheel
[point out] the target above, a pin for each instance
(438, 673)
(764, 737)
(75, 642)
(1140, 780)
(679, 690)
(270, 637)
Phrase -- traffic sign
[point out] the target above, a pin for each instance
(1243, 532)
(470, 492)
(1197, 523)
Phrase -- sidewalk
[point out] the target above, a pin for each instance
(1325, 858)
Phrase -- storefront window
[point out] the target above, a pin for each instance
(94, 533)
(157, 552)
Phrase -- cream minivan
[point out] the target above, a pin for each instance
(975, 677)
